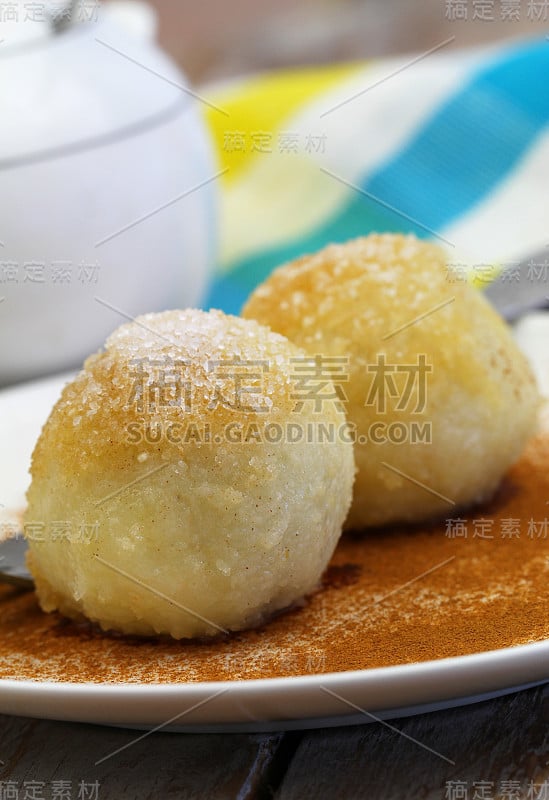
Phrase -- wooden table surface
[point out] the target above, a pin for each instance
(494, 750)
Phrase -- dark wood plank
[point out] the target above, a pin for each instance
(497, 741)
(161, 765)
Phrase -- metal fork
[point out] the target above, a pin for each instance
(12, 563)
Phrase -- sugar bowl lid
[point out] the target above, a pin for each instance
(67, 84)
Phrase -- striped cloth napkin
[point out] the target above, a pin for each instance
(452, 146)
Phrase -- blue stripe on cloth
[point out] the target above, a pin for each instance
(471, 143)
(229, 291)
(454, 161)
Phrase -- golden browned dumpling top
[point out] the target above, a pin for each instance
(442, 398)
(178, 486)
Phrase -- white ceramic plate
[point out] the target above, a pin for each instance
(346, 698)
(255, 705)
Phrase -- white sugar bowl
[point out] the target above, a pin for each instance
(108, 183)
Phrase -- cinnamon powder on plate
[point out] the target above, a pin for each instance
(477, 581)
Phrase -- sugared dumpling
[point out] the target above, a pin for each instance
(442, 399)
(170, 493)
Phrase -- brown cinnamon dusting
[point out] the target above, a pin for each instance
(493, 594)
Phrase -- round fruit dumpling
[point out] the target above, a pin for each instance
(442, 399)
(183, 484)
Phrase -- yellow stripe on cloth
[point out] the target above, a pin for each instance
(256, 109)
